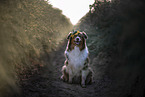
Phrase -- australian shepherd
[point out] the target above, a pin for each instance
(76, 67)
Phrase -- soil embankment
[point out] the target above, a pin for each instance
(32, 39)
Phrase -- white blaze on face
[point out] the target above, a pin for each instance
(77, 40)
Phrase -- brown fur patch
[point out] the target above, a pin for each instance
(72, 44)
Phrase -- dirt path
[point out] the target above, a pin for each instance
(48, 84)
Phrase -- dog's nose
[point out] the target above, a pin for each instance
(77, 39)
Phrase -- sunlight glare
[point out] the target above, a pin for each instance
(73, 9)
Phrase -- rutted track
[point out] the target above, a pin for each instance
(48, 84)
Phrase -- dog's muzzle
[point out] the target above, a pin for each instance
(77, 40)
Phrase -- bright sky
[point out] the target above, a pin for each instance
(73, 9)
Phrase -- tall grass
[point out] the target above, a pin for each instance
(116, 33)
(29, 29)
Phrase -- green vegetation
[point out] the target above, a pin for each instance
(29, 31)
(116, 43)
(101, 25)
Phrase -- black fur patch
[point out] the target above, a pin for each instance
(85, 35)
(69, 35)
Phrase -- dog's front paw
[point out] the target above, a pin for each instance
(62, 77)
(83, 85)
(70, 81)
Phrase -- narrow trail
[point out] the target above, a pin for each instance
(48, 84)
(30, 28)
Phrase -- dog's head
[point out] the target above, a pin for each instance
(77, 38)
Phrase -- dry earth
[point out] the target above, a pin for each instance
(47, 82)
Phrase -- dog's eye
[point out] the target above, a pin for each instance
(80, 35)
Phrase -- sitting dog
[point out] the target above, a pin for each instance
(76, 67)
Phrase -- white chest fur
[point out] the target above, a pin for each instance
(77, 59)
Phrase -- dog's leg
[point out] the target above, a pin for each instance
(83, 78)
(70, 76)
(85, 72)
(87, 76)
(90, 78)
(65, 75)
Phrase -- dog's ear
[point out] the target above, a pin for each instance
(70, 33)
(85, 35)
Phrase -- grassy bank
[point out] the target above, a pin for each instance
(116, 36)
(29, 31)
